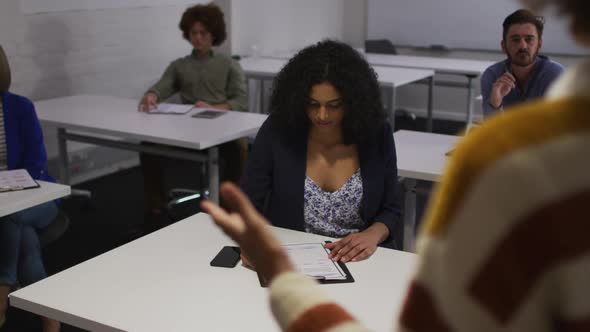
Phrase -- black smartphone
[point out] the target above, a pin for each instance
(227, 257)
(208, 114)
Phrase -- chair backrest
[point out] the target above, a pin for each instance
(383, 46)
(4, 71)
(58, 226)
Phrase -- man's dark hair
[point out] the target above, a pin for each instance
(343, 67)
(523, 16)
(210, 15)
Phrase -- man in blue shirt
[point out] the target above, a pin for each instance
(525, 74)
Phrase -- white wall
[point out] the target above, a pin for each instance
(465, 24)
(354, 22)
(283, 25)
(113, 51)
(118, 52)
(277, 26)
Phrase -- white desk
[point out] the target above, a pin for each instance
(390, 78)
(92, 116)
(420, 156)
(14, 201)
(449, 66)
(163, 282)
(471, 69)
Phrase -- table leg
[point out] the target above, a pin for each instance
(213, 165)
(64, 168)
(469, 118)
(430, 103)
(409, 215)
(261, 96)
(392, 108)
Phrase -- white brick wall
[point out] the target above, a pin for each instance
(120, 52)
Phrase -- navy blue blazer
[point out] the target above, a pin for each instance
(274, 177)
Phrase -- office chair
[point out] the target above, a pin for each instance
(381, 46)
(178, 198)
(52, 232)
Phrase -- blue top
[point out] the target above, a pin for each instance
(334, 214)
(546, 71)
(274, 178)
(24, 138)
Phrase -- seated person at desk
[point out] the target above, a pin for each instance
(525, 75)
(21, 146)
(505, 244)
(324, 161)
(205, 78)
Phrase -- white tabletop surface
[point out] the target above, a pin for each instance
(117, 116)
(386, 75)
(440, 65)
(422, 156)
(163, 282)
(14, 201)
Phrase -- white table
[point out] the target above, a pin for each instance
(471, 69)
(420, 156)
(14, 201)
(93, 116)
(163, 282)
(390, 78)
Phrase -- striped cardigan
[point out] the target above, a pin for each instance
(505, 245)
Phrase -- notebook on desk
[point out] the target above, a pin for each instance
(312, 260)
(165, 108)
(17, 179)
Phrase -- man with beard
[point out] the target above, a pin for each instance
(525, 74)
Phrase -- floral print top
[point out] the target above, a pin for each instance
(334, 214)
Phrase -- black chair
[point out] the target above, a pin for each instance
(52, 232)
(382, 46)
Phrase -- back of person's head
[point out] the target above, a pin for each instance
(210, 16)
(4, 71)
(577, 11)
(344, 68)
(523, 16)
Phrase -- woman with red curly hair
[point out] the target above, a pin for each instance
(205, 78)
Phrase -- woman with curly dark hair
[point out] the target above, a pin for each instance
(324, 161)
(205, 78)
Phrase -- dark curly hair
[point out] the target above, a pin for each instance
(343, 67)
(210, 15)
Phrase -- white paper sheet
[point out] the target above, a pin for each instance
(312, 259)
(16, 179)
(165, 108)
